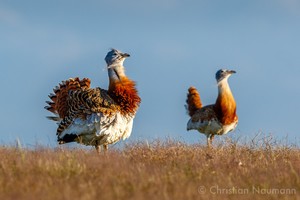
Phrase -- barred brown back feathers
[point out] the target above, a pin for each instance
(59, 98)
(74, 99)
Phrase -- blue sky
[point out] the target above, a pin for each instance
(173, 44)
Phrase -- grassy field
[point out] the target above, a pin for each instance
(160, 170)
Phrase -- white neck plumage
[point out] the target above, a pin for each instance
(116, 72)
(223, 86)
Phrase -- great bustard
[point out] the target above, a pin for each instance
(95, 116)
(215, 119)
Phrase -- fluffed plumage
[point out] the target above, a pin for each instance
(193, 101)
(94, 116)
(215, 119)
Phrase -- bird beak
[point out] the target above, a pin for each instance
(231, 72)
(125, 55)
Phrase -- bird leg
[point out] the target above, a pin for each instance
(209, 140)
(105, 147)
(98, 148)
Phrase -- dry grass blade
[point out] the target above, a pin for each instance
(157, 170)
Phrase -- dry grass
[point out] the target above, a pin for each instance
(168, 170)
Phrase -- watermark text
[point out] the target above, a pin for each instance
(217, 190)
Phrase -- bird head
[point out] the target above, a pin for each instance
(223, 74)
(115, 57)
(114, 60)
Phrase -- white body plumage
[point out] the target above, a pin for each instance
(210, 127)
(101, 128)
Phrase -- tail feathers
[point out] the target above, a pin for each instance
(58, 104)
(193, 101)
(67, 138)
(54, 118)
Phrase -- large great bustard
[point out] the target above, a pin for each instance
(94, 116)
(215, 119)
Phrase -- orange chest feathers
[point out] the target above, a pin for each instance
(225, 109)
(125, 94)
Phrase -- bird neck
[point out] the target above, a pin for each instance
(225, 105)
(223, 87)
(123, 91)
(116, 72)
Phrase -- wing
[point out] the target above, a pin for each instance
(75, 100)
(204, 120)
(206, 113)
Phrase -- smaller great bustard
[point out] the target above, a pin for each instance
(94, 116)
(215, 119)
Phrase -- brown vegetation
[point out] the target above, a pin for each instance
(160, 170)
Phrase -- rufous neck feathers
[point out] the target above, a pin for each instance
(225, 105)
(123, 91)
